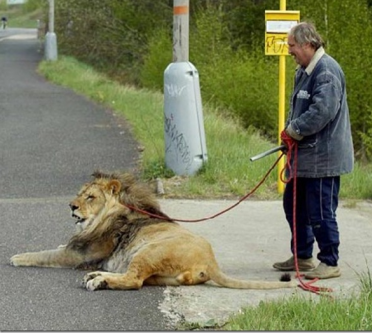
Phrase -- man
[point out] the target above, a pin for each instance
(319, 123)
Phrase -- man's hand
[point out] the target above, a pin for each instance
(287, 140)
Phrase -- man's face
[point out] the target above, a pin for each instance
(302, 54)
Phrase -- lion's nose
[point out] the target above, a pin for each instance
(73, 207)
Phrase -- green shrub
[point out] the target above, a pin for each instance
(33, 5)
(131, 41)
(156, 60)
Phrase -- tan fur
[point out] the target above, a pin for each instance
(130, 247)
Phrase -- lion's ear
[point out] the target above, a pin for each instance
(114, 186)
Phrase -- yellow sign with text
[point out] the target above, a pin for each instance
(278, 23)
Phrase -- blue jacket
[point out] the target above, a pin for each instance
(319, 119)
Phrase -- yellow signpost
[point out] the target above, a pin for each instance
(278, 23)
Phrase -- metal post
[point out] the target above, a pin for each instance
(50, 37)
(181, 30)
(281, 106)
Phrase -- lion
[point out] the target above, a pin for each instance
(126, 240)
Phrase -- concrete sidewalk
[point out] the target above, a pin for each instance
(247, 240)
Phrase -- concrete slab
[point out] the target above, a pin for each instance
(247, 240)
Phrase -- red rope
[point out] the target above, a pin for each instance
(293, 147)
(217, 214)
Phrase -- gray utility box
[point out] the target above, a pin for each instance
(185, 147)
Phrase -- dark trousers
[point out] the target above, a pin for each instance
(317, 201)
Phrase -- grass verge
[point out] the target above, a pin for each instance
(307, 314)
(323, 313)
(228, 172)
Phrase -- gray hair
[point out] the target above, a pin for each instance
(305, 32)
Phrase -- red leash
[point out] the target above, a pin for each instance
(293, 147)
(215, 215)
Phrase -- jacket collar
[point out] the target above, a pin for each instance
(317, 55)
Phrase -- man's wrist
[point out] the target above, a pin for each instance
(293, 134)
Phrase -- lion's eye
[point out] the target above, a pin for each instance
(90, 197)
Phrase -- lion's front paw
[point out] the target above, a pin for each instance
(90, 276)
(19, 260)
(94, 281)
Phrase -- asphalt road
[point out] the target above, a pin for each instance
(51, 140)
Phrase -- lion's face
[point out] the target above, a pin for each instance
(91, 199)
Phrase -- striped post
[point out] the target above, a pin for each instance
(181, 30)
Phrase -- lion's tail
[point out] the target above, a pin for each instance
(217, 276)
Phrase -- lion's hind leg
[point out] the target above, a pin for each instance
(184, 278)
(157, 280)
(137, 272)
(189, 277)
